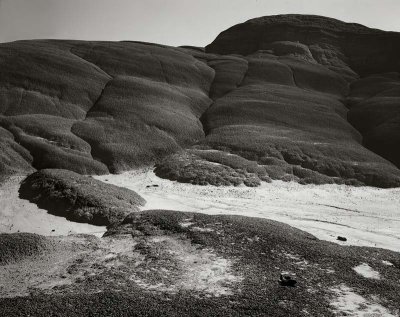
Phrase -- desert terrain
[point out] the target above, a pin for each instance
(139, 179)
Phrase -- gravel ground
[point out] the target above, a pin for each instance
(166, 263)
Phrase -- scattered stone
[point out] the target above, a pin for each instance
(287, 279)
(341, 238)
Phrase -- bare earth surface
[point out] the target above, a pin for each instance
(194, 261)
(173, 264)
(366, 216)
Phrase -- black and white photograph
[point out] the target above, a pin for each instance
(199, 158)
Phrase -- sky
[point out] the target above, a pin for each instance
(171, 22)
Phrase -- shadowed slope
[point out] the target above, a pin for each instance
(79, 198)
(374, 105)
(43, 90)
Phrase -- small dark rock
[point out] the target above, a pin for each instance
(287, 279)
(341, 238)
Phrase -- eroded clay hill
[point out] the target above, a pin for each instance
(291, 97)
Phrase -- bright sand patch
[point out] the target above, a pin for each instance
(366, 216)
(352, 304)
(184, 267)
(366, 271)
(387, 263)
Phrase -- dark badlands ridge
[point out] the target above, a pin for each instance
(290, 97)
